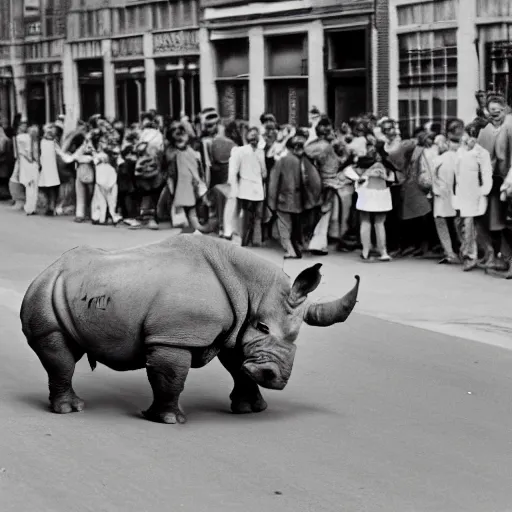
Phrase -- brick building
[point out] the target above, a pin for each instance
(120, 57)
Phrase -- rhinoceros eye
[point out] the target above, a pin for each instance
(262, 328)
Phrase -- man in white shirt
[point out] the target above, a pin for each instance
(247, 171)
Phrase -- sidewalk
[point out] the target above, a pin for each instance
(419, 293)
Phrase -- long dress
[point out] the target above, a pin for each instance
(187, 163)
(49, 176)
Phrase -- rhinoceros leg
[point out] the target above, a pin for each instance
(59, 357)
(246, 396)
(167, 369)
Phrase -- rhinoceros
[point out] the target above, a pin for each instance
(171, 306)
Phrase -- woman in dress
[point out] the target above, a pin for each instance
(374, 200)
(27, 150)
(49, 181)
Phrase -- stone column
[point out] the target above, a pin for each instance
(20, 83)
(467, 61)
(207, 66)
(374, 86)
(256, 75)
(47, 92)
(70, 89)
(394, 65)
(149, 71)
(316, 80)
(109, 79)
(181, 79)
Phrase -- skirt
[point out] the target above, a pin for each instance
(374, 201)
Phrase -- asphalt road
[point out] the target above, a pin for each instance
(377, 416)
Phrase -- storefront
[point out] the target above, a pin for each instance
(232, 81)
(88, 63)
(286, 78)
(128, 59)
(349, 79)
(176, 63)
(297, 55)
(90, 80)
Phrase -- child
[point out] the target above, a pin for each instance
(104, 198)
(49, 180)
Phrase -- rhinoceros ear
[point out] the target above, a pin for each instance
(306, 282)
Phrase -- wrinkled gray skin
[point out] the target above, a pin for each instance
(169, 307)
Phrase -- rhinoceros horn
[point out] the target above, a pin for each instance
(329, 313)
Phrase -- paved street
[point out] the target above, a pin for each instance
(388, 412)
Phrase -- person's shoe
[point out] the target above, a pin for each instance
(449, 260)
(498, 264)
(407, 251)
(469, 265)
(153, 225)
(79, 220)
(135, 225)
(197, 232)
(385, 257)
(317, 252)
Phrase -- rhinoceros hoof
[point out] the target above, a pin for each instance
(169, 418)
(67, 405)
(246, 407)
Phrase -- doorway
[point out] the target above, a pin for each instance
(36, 103)
(346, 98)
(90, 79)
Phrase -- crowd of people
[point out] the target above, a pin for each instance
(360, 186)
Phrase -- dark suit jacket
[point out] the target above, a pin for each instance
(293, 187)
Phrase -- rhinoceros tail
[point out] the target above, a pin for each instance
(92, 362)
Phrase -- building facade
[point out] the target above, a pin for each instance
(119, 57)
(441, 52)
(123, 57)
(287, 56)
(31, 41)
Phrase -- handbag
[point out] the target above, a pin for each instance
(85, 173)
(424, 175)
(146, 168)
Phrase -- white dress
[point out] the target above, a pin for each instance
(49, 176)
(374, 196)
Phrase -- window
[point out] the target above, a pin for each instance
(160, 13)
(233, 78)
(427, 12)
(427, 78)
(286, 80)
(234, 100)
(90, 24)
(499, 67)
(493, 8)
(55, 18)
(347, 49)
